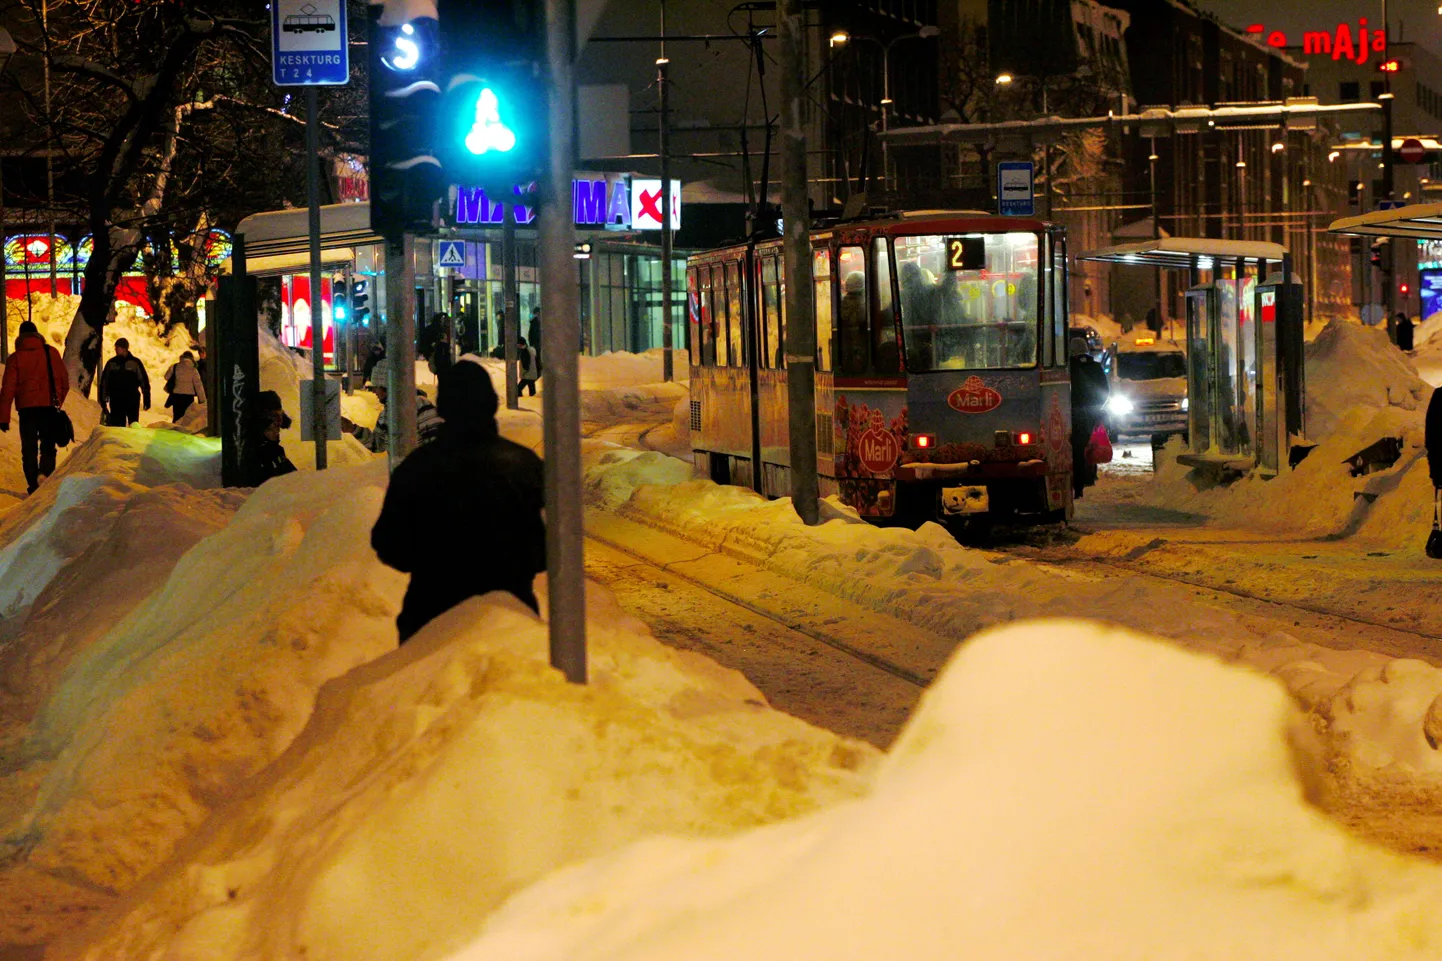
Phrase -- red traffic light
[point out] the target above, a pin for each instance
(1390, 66)
(1404, 288)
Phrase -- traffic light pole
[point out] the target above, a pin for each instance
(400, 409)
(796, 247)
(510, 321)
(317, 302)
(663, 82)
(560, 333)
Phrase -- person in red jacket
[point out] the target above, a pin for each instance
(26, 385)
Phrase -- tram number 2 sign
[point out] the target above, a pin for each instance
(966, 253)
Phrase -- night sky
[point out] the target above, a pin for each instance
(1416, 19)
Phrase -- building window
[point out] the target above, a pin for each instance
(1349, 90)
(1379, 87)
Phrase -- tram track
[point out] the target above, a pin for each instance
(791, 624)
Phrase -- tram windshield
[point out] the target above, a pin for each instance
(969, 302)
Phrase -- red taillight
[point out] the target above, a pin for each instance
(923, 441)
(1023, 437)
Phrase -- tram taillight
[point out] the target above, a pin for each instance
(923, 441)
(1023, 437)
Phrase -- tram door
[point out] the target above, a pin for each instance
(1203, 315)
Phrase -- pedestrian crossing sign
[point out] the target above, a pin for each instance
(452, 254)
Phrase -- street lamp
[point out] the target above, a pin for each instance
(925, 33)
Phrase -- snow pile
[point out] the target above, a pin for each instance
(441, 779)
(1350, 366)
(1064, 791)
(614, 385)
(281, 370)
(204, 682)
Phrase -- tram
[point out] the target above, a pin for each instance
(942, 386)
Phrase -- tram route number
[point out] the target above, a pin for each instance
(966, 253)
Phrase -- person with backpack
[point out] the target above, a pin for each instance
(36, 383)
(123, 385)
(377, 439)
(183, 384)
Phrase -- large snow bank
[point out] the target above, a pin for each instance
(281, 370)
(437, 781)
(204, 682)
(1063, 791)
(1349, 366)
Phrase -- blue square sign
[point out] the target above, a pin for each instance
(452, 253)
(309, 43)
(1014, 188)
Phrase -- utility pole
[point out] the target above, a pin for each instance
(796, 224)
(510, 319)
(560, 333)
(663, 65)
(401, 346)
(317, 301)
(1152, 159)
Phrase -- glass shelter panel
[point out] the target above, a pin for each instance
(969, 302)
(1201, 310)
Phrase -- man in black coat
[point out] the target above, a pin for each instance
(1089, 393)
(1433, 438)
(462, 515)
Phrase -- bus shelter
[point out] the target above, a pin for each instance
(1418, 222)
(1245, 377)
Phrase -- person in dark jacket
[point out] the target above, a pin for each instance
(1089, 393)
(528, 367)
(27, 384)
(533, 337)
(271, 419)
(1404, 331)
(123, 385)
(429, 526)
(375, 356)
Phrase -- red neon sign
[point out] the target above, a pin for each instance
(1342, 43)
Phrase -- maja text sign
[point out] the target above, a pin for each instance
(618, 204)
(309, 43)
(1340, 43)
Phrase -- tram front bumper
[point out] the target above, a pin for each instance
(962, 501)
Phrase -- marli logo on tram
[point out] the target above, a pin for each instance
(974, 397)
(879, 450)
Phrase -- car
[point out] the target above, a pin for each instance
(1148, 390)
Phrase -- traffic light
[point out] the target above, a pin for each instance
(339, 299)
(1390, 66)
(1404, 289)
(360, 302)
(404, 59)
(492, 130)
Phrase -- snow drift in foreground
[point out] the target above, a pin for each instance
(1350, 366)
(1063, 791)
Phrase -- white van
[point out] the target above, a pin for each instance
(1148, 389)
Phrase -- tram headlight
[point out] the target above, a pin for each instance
(1119, 405)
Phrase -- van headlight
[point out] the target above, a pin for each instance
(1186, 404)
(1120, 405)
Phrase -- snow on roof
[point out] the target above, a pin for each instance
(288, 231)
(1181, 252)
(1415, 220)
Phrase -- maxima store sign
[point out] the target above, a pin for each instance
(619, 203)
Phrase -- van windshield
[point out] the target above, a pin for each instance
(968, 302)
(1151, 366)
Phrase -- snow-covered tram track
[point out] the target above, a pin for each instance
(1324, 625)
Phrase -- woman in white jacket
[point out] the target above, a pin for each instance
(183, 382)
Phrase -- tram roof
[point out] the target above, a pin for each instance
(1423, 221)
(1183, 252)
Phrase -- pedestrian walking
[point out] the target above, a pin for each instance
(528, 367)
(36, 383)
(271, 419)
(377, 439)
(1089, 392)
(472, 552)
(184, 385)
(533, 337)
(376, 354)
(1405, 330)
(200, 362)
(124, 384)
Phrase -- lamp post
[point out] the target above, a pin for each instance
(1006, 79)
(925, 33)
(7, 49)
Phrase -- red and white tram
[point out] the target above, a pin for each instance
(942, 388)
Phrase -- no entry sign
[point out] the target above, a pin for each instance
(1412, 151)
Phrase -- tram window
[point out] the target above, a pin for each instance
(1048, 345)
(737, 337)
(774, 354)
(852, 330)
(821, 275)
(718, 305)
(693, 316)
(885, 356)
(1060, 321)
(965, 319)
(708, 319)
